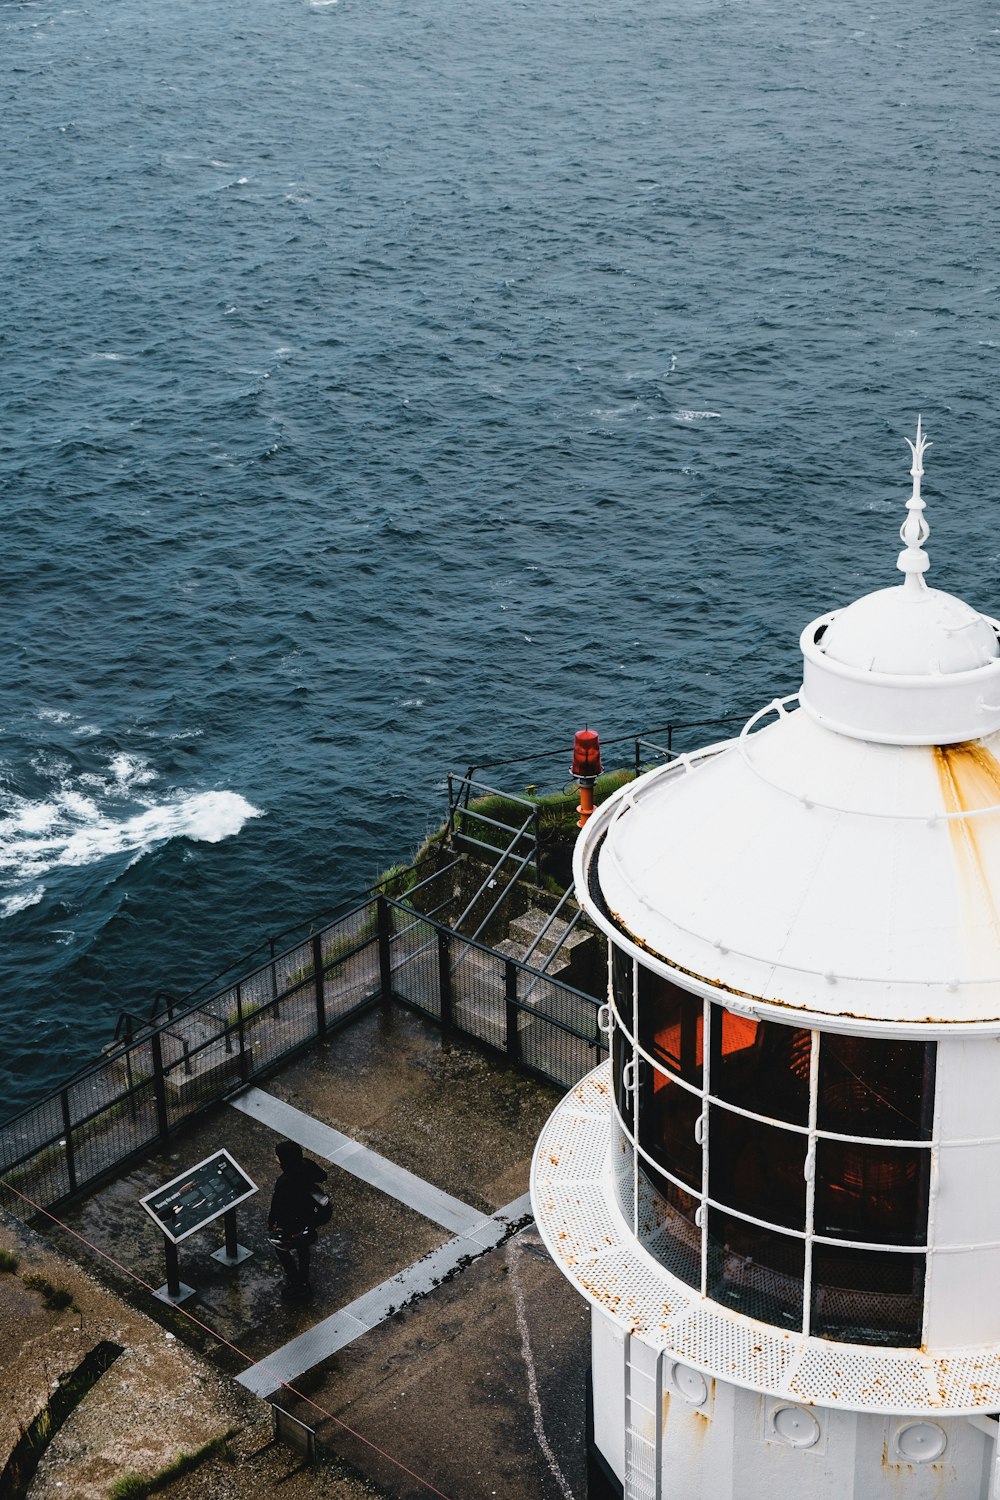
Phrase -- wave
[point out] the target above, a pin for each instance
(83, 818)
(13, 904)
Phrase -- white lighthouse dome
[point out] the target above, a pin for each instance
(911, 633)
(907, 665)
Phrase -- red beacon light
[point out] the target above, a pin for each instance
(585, 769)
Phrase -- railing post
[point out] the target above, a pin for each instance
(451, 810)
(538, 845)
(129, 1079)
(317, 951)
(444, 975)
(274, 978)
(244, 1057)
(68, 1128)
(384, 914)
(513, 1012)
(159, 1087)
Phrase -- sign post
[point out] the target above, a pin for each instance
(205, 1192)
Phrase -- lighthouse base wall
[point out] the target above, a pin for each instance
(722, 1442)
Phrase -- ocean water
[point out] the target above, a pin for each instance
(394, 386)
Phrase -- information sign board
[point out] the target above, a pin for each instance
(203, 1193)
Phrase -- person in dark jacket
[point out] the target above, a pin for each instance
(291, 1220)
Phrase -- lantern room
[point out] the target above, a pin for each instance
(781, 1195)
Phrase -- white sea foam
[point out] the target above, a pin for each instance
(70, 828)
(22, 900)
(131, 770)
(686, 415)
(207, 817)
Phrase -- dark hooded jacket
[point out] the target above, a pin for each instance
(291, 1202)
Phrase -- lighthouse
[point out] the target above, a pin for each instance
(781, 1193)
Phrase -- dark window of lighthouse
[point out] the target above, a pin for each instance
(666, 1224)
(668, 1116)
(623, 1171)
(757, 1169)
(877, 1194)
(755, 1271)
(671, 1025)
(868, 1086)
(621, 984)
(621, 1055)
(761, 1066)
(867, 1296)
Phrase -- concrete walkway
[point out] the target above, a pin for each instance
(341, 1151)
(477, 1233)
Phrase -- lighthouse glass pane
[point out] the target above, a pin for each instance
(621, 1056)
(666, 1225)
(872, 1087)
(758, 1169)
(761, 1065)
(867, 1296)
(873, 1193)
(621, 984)
(667, 1118)
(756, 1271)
(623, 1170)
(670, 1025)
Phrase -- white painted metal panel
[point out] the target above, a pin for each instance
(967, 1088)
(607, 1350)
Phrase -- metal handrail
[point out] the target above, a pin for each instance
(569, 928)
(567, 893)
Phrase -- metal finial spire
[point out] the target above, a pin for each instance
(913, 560)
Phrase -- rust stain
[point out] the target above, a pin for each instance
(969, 776)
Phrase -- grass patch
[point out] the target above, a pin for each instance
(557, 814)
(54, 1297)
(138, 1486)
(8, 1261)
(396, 881)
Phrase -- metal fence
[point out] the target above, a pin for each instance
(155, 1080)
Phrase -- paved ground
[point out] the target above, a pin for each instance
(476, 1385)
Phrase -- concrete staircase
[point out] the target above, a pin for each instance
(523, 934)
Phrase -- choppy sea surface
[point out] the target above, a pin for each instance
(394, 386)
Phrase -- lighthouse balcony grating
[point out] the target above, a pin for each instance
(589, 1240)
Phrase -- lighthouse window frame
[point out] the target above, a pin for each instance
(700, 1092)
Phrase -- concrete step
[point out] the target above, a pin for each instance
(513, 949)
(526, 928)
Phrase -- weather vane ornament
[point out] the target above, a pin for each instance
(913, 560)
